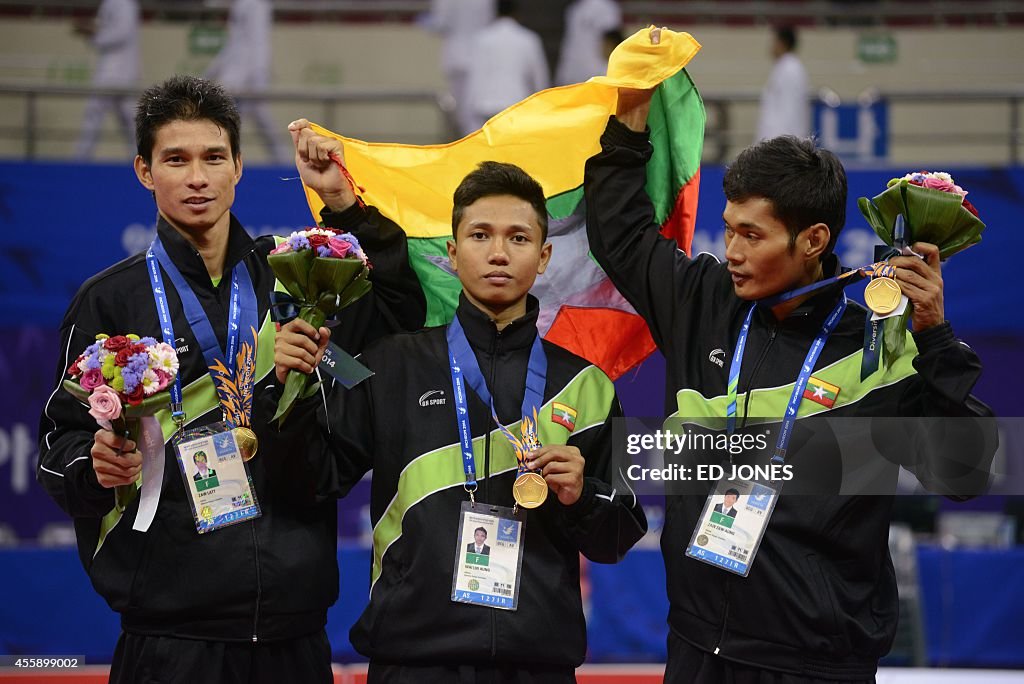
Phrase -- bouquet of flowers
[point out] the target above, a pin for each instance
(933, 209)
(324, 271)
(123, 378)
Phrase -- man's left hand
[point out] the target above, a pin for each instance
(562, 468)
(921, 281)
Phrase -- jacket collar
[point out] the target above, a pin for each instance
(819, 305)
(190, 262)
(481, 330)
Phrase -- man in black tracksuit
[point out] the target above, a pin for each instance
(820, 602)
(246, 603)
(403, 424)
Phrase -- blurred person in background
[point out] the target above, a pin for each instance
(507, 65)
(458, 22)
(785, 109)
(587, 23)
(115, 34)
(243, 67)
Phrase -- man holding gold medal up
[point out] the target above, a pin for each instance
(807, 591)
(479, 430)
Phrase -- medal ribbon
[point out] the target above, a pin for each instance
(462, 362)
(789, 420)
(242, 315)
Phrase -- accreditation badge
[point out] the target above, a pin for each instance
(488, 556)
(216, 479)
(732, 524)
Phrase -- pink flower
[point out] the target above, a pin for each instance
(339, 248)
(91, 379)
(163, 379)
(281, 248)
(105, 403)
(943, 185)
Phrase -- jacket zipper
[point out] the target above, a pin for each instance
(487, 466)
(725, 615)
(259, 586)
(746, 405)
(753, 372)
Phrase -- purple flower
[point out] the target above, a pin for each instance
(296, 242)
(323, 251)
(148, 341)
(92, 362)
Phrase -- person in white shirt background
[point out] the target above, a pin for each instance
(507, 65)
(243, 66)
(583, 52)
(458, 22)
(115, 35)
(785, 109)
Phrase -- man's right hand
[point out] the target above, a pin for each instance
(298, 346)
(113, 466)
(315, 157)
(633, 105)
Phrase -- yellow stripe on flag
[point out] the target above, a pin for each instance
(550, 135)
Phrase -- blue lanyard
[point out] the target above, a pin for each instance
(462, 362)
(789, 420)
(242, 315)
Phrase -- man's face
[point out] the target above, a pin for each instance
(761, 260)
(191, 174)
(480, 536)
(498, 252)
(730, 500)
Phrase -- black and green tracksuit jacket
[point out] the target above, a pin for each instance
(401, 423)
(267, 579)
(820, 599)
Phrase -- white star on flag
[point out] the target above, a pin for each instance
(819, 392)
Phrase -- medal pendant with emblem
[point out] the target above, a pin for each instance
(882, 295)
(247, 442)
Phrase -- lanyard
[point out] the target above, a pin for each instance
(789, 420)
(462, 362)
(242, 315)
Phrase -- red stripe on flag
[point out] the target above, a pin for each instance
(681, 221)
(612, 340)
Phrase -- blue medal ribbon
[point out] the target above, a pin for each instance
(789, 420)
(465, 369)
(243, 314)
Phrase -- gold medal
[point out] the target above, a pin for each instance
(882, 295)
(247, 442)
(530, 490)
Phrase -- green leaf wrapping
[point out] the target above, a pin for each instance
(325, 287)
(931, 216)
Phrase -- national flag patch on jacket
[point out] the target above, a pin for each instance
(563, 415)
(821, 392)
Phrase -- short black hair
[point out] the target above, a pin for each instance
(787, 36)
(480, 529)
(497, 178)
(734, 492)
(506, 8)
(805, 183)
(184, 98)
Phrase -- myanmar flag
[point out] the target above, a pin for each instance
(551, 135)
(821, 392)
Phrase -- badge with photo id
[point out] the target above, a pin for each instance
(732, 524)
(216, 478)
(488, 556)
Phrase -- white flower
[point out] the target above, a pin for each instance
(150, 382)
(163, 356)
